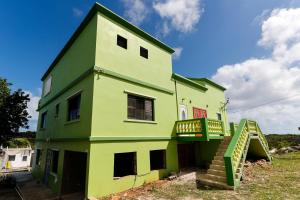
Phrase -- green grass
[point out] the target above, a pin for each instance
(281, 180)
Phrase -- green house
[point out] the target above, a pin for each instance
(114, 116)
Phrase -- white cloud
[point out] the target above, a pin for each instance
(182, 15)
(177, 53)
(77, 12)
(259, 19)
(32, 107)
(136, 11)
(274, 81)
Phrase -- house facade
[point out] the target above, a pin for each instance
(112, 111)
(15, 159)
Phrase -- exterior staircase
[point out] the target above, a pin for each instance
(226, 169)
(216, 174)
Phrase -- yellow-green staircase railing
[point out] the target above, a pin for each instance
(234, 156)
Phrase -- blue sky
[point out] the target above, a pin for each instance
(220, 33)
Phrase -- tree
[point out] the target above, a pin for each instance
(13, 113)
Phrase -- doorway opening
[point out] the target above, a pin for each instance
(74, 172)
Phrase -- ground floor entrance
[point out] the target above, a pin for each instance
(74, 172)
(186, 155)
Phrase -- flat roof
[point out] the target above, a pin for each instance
(111, 15)
(188, 81)
(208, 81)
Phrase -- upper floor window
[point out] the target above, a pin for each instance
(121, 41)
(43, 120)
(140, 108)
(219, 116)
(74, 107)
(47, 85)
(144, 52)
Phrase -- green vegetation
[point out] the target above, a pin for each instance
(18, 142)
(279, 141)
(277, 181)
(13, 111)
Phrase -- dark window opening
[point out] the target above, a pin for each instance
(24, 158)
(157, 159)
(219, 116)
(38, 156)
(56, 110)
(140, 108)
(144, 52)
(124, 164)
(43, 120)
(121, 41)
(74, 107)
(11, 158)
(54, 164)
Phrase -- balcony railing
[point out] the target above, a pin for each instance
(201, 129)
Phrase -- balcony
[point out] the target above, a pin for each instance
(202, 129)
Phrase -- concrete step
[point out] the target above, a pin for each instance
(217, 172)
(216, 157)
(225, 142)
(217, 167)
(218, 162)
(220, 153)
(222, 148)
(221, 179)
(223, 145)
(214, 184)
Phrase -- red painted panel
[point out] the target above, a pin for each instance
(199, 113)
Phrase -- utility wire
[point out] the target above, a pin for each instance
(267, 103)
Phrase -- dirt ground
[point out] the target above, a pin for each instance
(279, 180)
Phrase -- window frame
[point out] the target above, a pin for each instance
(24, 157)
(68, 119)
(144, 50)
(120, 40)
(11, 156)
(219, 116)
(43, 121)
(134, 162)
(164, 159)
(144, 98)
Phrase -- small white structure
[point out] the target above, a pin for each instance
(12, 159)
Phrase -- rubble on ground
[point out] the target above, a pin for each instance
(249, 168)
(284, 150)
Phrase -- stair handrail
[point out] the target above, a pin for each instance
(262, 137)
(234, 151)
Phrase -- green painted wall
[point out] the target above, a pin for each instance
(78, 59)
(55, 180)
(101, 170)
(156, 69)
(211, 100)
(103, 112)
